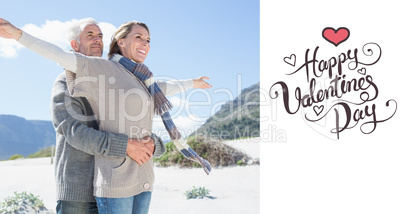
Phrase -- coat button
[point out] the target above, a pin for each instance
(146, 186)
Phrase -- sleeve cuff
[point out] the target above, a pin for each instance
(118, 146)
(160, 148)
(26, 39)
(188, 84)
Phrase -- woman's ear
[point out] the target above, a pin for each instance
(75, 45)
(120, 42)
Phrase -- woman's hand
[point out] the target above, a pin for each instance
(8, 31)
(200, 83)
(140, 150)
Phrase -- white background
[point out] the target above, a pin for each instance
(310, 172)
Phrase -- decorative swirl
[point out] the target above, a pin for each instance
(368, 52)
(375, 122)
(364, 97)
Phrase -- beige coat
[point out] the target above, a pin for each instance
(123, 105)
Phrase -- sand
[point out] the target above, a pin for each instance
(234, 189)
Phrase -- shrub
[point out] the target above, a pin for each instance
(217, 153)
(15, 157)
(200, 192)
(241, 163)
(46, 152)
(22, 202)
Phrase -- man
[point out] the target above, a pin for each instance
(78, 139)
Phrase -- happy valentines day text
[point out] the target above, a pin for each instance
(352, 91)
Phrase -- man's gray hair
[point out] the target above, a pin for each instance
(77, 28)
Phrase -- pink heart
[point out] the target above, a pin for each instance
(336, 37)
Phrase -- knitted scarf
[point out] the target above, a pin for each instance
(162, 107)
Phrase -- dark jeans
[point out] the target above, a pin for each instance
(76, 207)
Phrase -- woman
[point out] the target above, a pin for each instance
(124, 97)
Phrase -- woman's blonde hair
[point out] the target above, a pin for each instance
(122, 33)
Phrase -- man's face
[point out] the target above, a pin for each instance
(90, 43)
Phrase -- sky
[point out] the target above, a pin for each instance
(217, 39)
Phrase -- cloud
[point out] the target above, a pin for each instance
(55, 32)
(8, 48)
(176, 101)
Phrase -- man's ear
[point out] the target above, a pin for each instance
(75, 45)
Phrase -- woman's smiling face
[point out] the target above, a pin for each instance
(136, 44)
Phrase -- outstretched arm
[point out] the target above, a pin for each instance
(9, 31)
(43, 48)
(173, 87)
(200, 83)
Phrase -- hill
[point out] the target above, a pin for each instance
(236, 119)
(21, 136)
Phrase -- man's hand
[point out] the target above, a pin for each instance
(200, 83)
(8, 31)
(140, 150)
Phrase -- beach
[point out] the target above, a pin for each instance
(232, 189)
